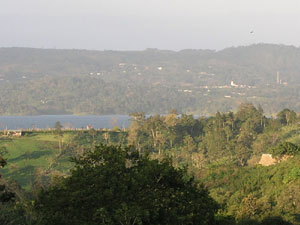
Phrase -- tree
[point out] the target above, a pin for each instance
(171, 121)
(58, 126)
(136, 132)
(114, 185)
(276, 220)
(156, 129)
(59, 132)
(285, 148)
(93, 133)
(287, 117)
(249, 208)
(189, 144)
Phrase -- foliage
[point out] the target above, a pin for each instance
(113, 185)
(285, 148)
(10, 212)
(122, 82)
(196, 140)
(287, 117)
(222, 151)
(58, 127)
(257, 194)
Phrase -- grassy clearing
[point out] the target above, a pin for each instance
(26, 154)
(36, 151)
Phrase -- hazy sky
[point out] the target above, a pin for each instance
(141, 24)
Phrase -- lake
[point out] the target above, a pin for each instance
(68, 121)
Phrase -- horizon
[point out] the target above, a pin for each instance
(153, 49)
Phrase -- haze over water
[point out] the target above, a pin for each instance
(68, 121)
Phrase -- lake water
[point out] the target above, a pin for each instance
(68, 121)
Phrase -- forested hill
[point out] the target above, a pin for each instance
(50, 81)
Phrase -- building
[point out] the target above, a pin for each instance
(89, 127)
(16, 133)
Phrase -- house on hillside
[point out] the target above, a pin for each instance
(16, 133)
(267, 160)
(281, 152)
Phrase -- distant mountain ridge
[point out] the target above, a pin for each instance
(51, 81)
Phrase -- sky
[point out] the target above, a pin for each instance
(142, 24)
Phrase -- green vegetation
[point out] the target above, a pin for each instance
(10, 213)
(150, 81)
(207, 167)
(141, 191)
(25, 154)
(285, 149)
(39, 154)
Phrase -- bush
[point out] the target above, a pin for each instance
(285, 148)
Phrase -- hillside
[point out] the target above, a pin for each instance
(221, 152)
(50, 81)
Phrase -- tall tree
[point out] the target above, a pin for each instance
(59, 133)
(287, 117)
(136, 130)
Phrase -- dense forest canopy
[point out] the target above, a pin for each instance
(50, 81)
(110, 185)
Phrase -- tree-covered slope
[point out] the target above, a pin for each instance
(50, 81)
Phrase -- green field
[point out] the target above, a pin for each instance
(39, 154)
(29, 153)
